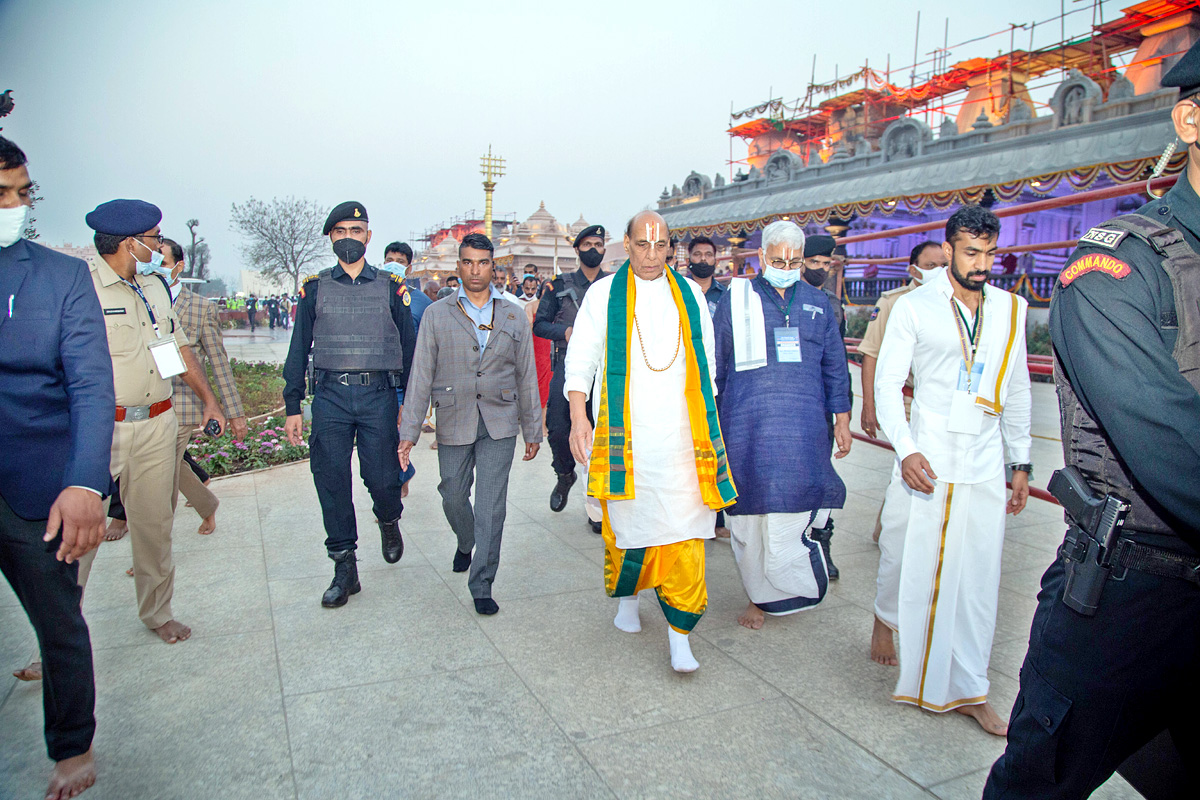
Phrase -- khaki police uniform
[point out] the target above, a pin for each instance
(144, 438)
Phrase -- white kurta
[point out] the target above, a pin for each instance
(667, 505)
(939, 571)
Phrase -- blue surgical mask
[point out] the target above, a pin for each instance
(394, 267)
(781, 278)
(155, 265)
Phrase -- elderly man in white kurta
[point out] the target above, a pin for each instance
(943, 514)
(643, 340)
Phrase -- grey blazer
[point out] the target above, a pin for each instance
(447, 369)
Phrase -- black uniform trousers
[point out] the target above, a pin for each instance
(558, 421)
(342, 416)
(49, 592)
(1094, 690)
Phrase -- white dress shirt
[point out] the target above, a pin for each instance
(922, 334)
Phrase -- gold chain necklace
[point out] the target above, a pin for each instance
(642, 344)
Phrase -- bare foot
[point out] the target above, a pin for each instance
(172, 632)
(433, 445)
(987, 718)
(129, 572)
(31, 673)
(117, 529)
(722, 533)
(208, 525)
(188, 504)
(883, 645)
(751, 618)
(72, 776)
(404, 489)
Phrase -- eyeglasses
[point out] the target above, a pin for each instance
(159, 238)
(779, 263)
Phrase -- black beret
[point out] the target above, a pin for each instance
(818, 246)
(124, 217)
(1186, 72)
(344, 211)
(591, 230)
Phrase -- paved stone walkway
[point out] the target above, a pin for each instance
(406, 692)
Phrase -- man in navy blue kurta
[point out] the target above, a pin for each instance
(781, 370)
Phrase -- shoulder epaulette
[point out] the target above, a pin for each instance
(312, 277)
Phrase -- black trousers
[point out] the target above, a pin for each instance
(50, 594)
(558, 422)
(343, 416)
(250, 315)
(1094, 690)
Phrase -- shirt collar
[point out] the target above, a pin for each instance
(368, 272)
(495, 295)
(1183, 203)
(108, 276)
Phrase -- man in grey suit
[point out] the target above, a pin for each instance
(474, 361)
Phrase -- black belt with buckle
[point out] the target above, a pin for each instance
(392, 379)
(1142, 558)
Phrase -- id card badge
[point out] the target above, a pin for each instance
(972, 383)
(787, 345)
(167, 357)
(965, 416)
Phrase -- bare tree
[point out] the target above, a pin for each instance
(281, 237)
(30, 231)
(198, 254)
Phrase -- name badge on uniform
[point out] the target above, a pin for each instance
(167, 357)
(787, 345)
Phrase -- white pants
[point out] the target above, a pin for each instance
(893, 520)
(782, 569)
(948, 592)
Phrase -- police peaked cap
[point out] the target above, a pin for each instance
(591, 230)
(343, 212)
(124, 217)
(1186, 72)
(818, 246)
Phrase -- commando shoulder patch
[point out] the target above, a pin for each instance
(1095, 262)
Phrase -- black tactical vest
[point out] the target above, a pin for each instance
(575, 286)
(1085, 444)
(353, 330)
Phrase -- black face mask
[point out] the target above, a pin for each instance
(349, 251)
(701, 270)
(591, 257)
(815, 277)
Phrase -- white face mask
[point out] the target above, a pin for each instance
(927, 274)
(12, 224)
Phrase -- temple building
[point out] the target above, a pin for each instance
(541, 245)
(876, 157)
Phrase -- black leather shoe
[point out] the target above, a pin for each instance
(558, 498)
(822, 536)
(597, 527)
(345, 579)
(462, 561)
(393, 542)
(486, 606)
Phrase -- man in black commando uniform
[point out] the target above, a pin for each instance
(555, 318)
(355, 321)
(1116, 688)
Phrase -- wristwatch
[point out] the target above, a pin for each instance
(1026, 468)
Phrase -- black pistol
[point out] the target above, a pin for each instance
(1097, 520)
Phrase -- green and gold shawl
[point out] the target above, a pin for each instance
(610, 473)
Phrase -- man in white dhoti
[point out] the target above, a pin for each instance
(943, 515)
(643, 340)
(781, 372)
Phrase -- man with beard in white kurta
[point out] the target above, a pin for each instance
(943, 514)
(652, 373)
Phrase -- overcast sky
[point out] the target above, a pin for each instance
(596, 106)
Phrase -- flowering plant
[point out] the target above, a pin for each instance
(264, 446)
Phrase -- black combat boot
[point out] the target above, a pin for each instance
(822, 536)
(558, 498)
(393, 542)
(345, 579)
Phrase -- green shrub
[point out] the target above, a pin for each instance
(1038, 341)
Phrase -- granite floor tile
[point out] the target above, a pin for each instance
(795, 755)
(468, 734)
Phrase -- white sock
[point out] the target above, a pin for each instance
(627, 618)
(682, 659)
